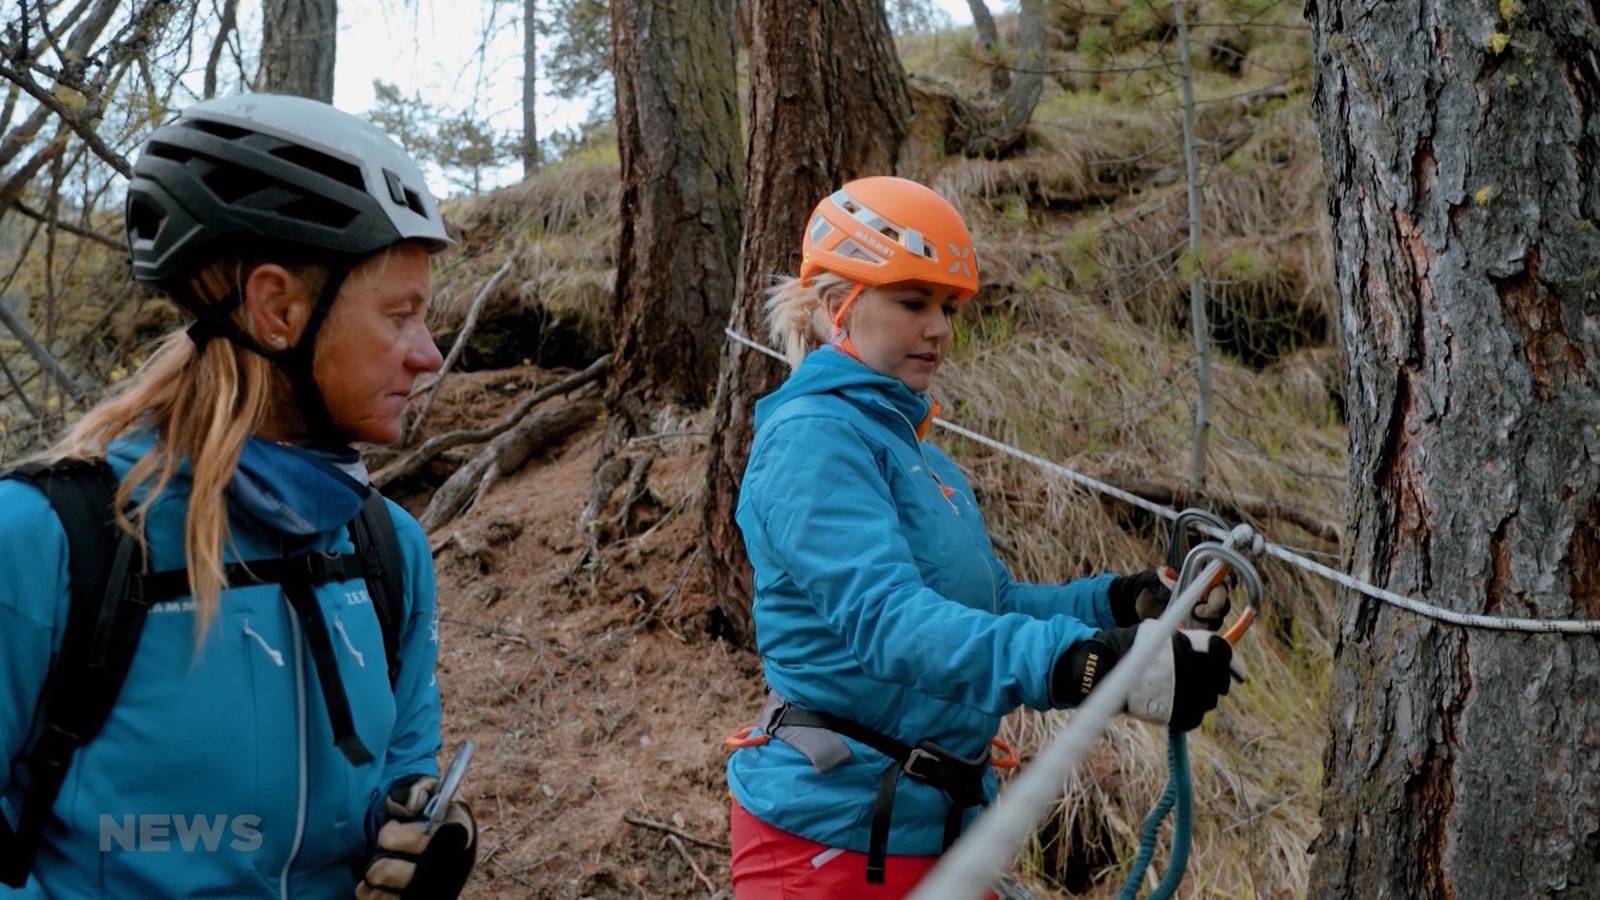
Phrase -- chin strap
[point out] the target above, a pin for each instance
(296, 363)
(841, 337)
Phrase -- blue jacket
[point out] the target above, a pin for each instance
(878, 598)
(216, 774)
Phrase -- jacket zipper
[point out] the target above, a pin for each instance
(300, 723)
(947, 493)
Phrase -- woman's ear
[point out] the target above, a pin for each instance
(276, 306)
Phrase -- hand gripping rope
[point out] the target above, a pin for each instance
(1178, 797)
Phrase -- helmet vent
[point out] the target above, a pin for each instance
(819, 229)
(319, 211)
(230, 183)
(144, 223)
(221, 130)
(854, 250)
(322, 164)
(167, 151)
(415, 203)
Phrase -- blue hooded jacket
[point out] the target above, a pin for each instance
(216, 774)
(878, 598)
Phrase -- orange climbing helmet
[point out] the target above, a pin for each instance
(886, 230)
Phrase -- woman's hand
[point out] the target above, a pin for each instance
(1145, 595)
(412, 862)
(1178, 687)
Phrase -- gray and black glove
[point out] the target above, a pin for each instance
(411, 864)
(1177, 688)
(1145, 595)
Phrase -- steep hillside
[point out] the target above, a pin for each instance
(592, 683)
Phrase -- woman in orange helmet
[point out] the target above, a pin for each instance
(891, 637)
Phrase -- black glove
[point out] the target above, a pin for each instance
(1145, 595)
(1178, 687)
(412, 865)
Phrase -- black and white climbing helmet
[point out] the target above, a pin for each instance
(271, 169)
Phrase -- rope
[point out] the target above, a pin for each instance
(1277, 551)
(1180, 793)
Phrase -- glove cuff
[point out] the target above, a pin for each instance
(1085, 664)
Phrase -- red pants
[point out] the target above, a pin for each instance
(769, 864)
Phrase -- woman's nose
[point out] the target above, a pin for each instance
(423, 354)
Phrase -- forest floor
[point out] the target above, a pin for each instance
(589, 702)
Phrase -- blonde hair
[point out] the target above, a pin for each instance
(797, 312)
(203, 407)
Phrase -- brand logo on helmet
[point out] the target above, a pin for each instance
(874, 243)
(962, 256)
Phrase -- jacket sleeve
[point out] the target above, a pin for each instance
(33, 608)
(414, 746)
(827, 519)
(1084, 599)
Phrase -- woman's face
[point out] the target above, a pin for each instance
(375, 343)
(901, 331)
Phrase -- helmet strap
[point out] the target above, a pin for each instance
(296, 363)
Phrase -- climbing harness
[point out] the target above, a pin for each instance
(816, 735)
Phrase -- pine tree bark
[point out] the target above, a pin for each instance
(682, 193)
(828, 103)
(1460, 144)
(297, 47)
(677, 263)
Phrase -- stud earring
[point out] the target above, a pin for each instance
(279, 340)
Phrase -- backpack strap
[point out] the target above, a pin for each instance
(96, 649)
(378, 545)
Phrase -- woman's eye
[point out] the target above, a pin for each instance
(949, 309)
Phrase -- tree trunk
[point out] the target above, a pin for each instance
(828, 103)
(989, 40)
(1017, 109)
(682, 190)
(297, 45)
(1460, 150)
(530, 88)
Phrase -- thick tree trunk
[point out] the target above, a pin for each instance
(530, 88)
(828, 103)
(682, 192)
(297, 47)
(1026, 87)
(989, 40)
(1461, 142)
(682, 189)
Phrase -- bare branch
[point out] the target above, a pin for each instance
(434, 446)
(40, 354)
(230, 21)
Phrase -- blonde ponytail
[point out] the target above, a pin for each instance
(797, 313)
(203, 407)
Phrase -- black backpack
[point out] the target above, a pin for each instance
(109, 598)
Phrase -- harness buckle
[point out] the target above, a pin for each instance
(920, 755)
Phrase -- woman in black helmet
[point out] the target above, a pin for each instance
(230, 692)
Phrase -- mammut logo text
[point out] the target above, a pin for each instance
(882, 248)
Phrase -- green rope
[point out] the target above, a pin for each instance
(1180, 793)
